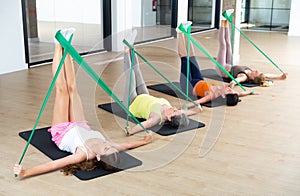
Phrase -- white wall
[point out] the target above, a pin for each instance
(137, 13)
(69, 11)
(121, 22)
(294, 28)
(12, 50)
(237, 36)
(182, 11)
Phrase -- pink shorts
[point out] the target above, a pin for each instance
(59, 130)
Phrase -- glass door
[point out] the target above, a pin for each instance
(44, 18)
(155, 20)
(269, 15)
(202, 14)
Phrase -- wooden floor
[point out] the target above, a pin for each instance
(250, 149)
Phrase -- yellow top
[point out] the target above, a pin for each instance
(144, 104)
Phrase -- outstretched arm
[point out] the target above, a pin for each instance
(202, 100)
(240, 78)
(153, 120)
(193, 111)
(275, 76)
(136, 143)
(78, 157)
(207, 98)
(245, 93)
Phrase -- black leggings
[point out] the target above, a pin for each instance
(194, 76)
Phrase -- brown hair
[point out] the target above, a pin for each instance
(107, 162)
(110, 162)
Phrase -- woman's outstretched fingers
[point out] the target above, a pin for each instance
(148, 137)
(284, 76)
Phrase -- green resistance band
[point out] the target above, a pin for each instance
(188, 62)
(249, 40)
(188, 49)
(130, 84)
(45, 102)
(76, 56)
(212, 59)
(159, 73)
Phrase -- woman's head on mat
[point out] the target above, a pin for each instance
(107, 162)
(255, 74)
(232, 99)
(231, 96)
(180, 120)
(110, 162)
(260, 79)
(176, 117)
(108, 156)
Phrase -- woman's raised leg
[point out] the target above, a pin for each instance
(228, 43)
(221, 58)
(141, 87)
(195, 74)
(224, 54)
(61, 104)
(129, 83)
(181, 46)
(76, 113)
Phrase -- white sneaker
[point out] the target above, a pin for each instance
(186, 25)
(227, 13)
(67, 32)
(61, 31)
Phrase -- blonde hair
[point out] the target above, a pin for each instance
(261, 80)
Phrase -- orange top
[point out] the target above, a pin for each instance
(201, 87)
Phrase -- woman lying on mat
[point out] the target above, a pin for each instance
(143, 105)
(70, 130)
(240, 73)
(208, 91)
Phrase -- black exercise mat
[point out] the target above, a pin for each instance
(42, 141)
(168, 89)
(212, 74)
(164, 129)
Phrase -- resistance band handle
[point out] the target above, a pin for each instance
(211, 58)
(76, 56)
(253, 44)
(159, 73)
(45, 102)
